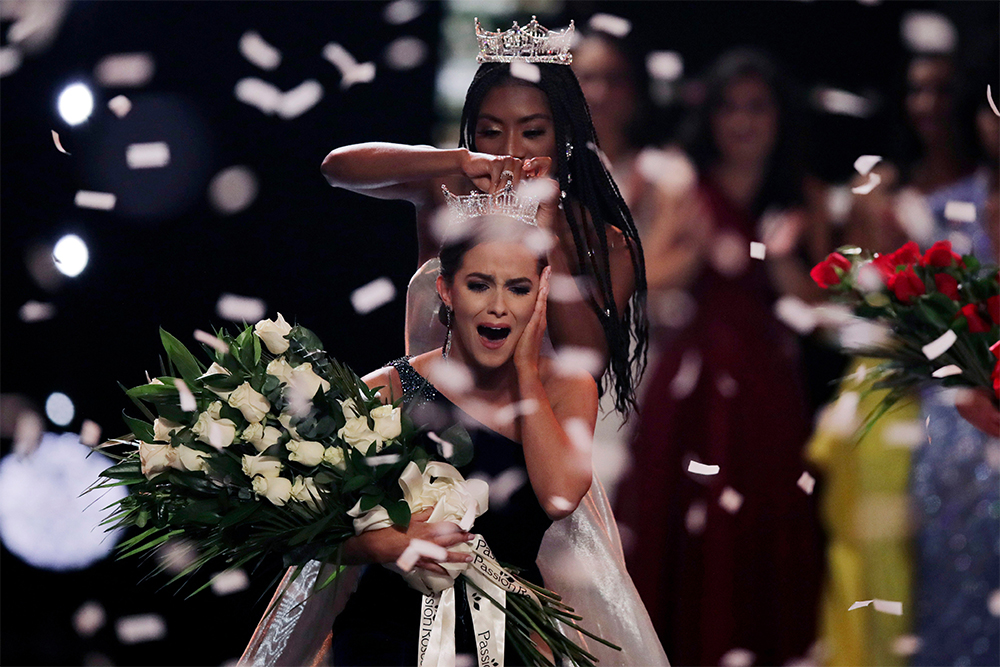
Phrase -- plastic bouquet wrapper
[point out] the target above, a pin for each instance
(275, 449)
(933, 317)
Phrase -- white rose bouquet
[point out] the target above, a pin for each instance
(277, 449)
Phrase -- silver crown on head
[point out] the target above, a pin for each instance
(506, 202)
(532, 43)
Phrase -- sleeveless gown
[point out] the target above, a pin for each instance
(380, 624)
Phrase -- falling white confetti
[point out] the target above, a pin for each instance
(140, 628)
(572, 360)
(213, 342)
(259, 93)
(860, 604)
(580, 434)
(469, 517)
(233, 189)
(89, 618)
(757, 250)
(940, 345)
(947, 371)
(731, 500)
(665, 65)
(101, 201)
(796, 313)
(960, 211)
(688, 372)
(10, 60)
(512, 411)
(670, 170)
(842, 102)
(539, 242)
(907, 434)
(561, 504)
(841, 417)
(696, 517)
(421, 548)
(520, 69)
(869, 278)
(402, 11)
(188, 404)
(906, 645)
(237, 308)
(702, 469)
(27, 432)
(90, 433)
(888, 607)
(451, 376)
(59, 146)
(176, 555)
(36, 311)
(737, 657)
(915, 215)
(152, 155)
(865, 188)
(673, 308)
(125, 70)
(961, 242)
(928, 32)
(351, 72)
(615, 26)
(863, 334)
(994, 603)
(384, 459)
(447, 449)
(405, 53)
(564, 289)
(989, 98)
(727, 385)
(256, 49)
(464, 660)
(228, 582)
(838, 203)
(728, 255)
(865, 163)
(300, 99)
(373, 295)
(505, 485)
(120, 105)
(806, 482)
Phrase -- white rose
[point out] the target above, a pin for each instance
(335, 457)
(305, 382)
(216, 432)
(216, 369)
(286, 420)
(189, 459)
(154, 459)
(273, 333)
(357, 434)
(215, 410)
(261, 466)
(280, 369)
(250, 402)
(276, 489)
(304, 491)
(306, 452)
(387, 421)
(260, 436)
(162, 428)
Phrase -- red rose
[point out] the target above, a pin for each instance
(993, 308)
(906, 285)
(940, 254)
(995, 349)
(825, 273)
(976, 323)
(946, 285)
(885, 266)
(908, 254)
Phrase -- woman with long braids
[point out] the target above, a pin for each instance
(515, 129)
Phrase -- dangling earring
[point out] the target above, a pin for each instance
(569, 154)
(447, 338)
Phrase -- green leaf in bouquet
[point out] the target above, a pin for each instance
(256, 350)
(931, 314)
(127, 470)
(971, 263)
(140, 429)
(153, 392)
(188, 366)
(152, 543)
(355, 483)
(461, 442)
(222, 382)
(240, 514)
(370, 500)
(139, 404)
(399, 512)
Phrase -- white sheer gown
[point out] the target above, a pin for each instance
(580, 558)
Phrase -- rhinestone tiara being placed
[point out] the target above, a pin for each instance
(532, 43)
(506, 203)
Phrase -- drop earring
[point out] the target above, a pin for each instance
(447, 338)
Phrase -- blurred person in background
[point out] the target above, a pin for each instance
(729, 561)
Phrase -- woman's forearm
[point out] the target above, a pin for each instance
(369, 168)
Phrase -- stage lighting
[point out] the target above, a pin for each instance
(76, 103)
(59, 409)
(71, 255)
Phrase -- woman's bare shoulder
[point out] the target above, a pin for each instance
(386, 380)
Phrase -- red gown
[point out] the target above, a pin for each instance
(743, 580)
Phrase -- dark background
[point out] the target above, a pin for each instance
(164, 255)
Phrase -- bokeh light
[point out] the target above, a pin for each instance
(59, 409)
(71, 255)
(76, 103)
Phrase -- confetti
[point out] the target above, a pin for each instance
(947, 371)
(673, 308)
(960, 211)
(757, 250)
(807, 483)
(449, 375)
(670, 170)
(27, 432)
(176, 555)
(505, 485)
(928, 32)
(731, 500)
(120, 105)
(561, 504)
(728, 254)
(405, 53)
(841, 417)
(572, 360)
(90, 433)
(688, 372)
(862, 334)
(842, 102)
(300, 99)
(512, 411)
(447, 449)
(865, 163)
(351, 72)
(989, 98)
(615, 26)
(726, 385)
(702, 469)
(566, 289)
(737, 657)
(796, 313)
(36, 311)
(373, 295)
(140, 628)
(418, 549)
(233, 189)
(125, 70)
(580, 434)
(906, 434)
(940, 345)
(254, 48)
(228, 582)
(152, 155)
(888, 607)
(10, 60)
(994, 603)
(213, 342)
(665, 65)
(696, 517)
(915, 216)
(59, 146)
(906, 645)
(89, 618)
(384, 459)
(188, 404)
(237, 308)
(465, 660)
(258, 93)
(838, 203)
(520, 69)
(860, 604)
(102, 201)
(402, 11)
(873, 181)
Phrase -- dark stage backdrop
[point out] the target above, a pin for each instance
(164, 255)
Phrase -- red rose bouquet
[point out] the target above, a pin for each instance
(942, 311)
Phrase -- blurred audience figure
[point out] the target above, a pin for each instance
(728, 562)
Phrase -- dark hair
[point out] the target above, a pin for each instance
(782, 184)
(584, 179)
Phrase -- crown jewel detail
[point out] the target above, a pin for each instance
(506, 202)
(532, 43)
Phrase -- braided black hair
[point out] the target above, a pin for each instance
(584, 178)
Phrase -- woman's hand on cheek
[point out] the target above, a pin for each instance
(529, 347)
